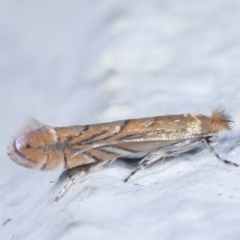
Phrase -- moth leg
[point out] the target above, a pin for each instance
(75, 175)
(217, 156)
(143, 165)
(167, 151)
(72, 180)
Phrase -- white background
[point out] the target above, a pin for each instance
(81, 62)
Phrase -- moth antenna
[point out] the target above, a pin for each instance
(221, 120)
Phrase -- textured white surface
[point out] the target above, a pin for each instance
(77, 62)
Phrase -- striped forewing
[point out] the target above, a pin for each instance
(128, 138)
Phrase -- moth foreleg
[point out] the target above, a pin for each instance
(217, 156)
(75, 175)
(73, 178)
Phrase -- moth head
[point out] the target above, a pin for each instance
(221, 120)
(33, 148)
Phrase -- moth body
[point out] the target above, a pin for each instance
(49, 147)
(46, 148)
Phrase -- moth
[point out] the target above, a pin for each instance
(91, 146)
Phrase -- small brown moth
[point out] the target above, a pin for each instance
(90, 146)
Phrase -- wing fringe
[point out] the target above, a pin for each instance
(221, 120)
